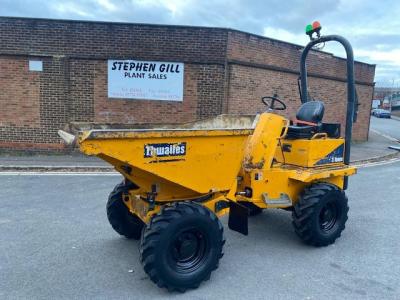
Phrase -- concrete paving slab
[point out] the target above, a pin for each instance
(76, 160)
(376, 147)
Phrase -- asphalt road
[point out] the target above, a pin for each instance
(390, 127)
(55, 243)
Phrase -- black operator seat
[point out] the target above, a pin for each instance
(308, 120)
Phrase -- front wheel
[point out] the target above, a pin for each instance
(181, 246)
(320, 215)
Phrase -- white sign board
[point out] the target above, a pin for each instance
(149, 80)
(376, 103)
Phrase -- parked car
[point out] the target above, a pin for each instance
(381, 113)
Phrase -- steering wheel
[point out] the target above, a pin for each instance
(269, 101)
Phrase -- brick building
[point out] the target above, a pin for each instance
(226, 71)
(384, 92)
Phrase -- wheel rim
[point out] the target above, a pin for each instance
(328, 217)
(188, 250)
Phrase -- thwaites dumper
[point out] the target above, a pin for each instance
(179, 181)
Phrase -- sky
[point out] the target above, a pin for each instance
(372, 27)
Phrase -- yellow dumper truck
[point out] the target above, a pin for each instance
(179, 181)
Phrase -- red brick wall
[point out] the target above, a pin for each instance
(248, 85)
(72, 86)
(32, 104)
(144, 111)
(225, 71)
(20, 92)
(249, 48)
(101, 40)
(89, 102)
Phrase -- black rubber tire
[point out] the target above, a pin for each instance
(121, 220)
(160, 241)
(319, 201)
(253, 209)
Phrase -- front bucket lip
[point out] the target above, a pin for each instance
(68, 138)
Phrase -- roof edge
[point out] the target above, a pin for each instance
(178, 26)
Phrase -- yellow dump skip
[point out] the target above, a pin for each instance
(197, 160)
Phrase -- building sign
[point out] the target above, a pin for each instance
(150, 80)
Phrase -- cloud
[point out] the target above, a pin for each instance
(71, 8)
(107, 5)
(285, 35)
(371, 26)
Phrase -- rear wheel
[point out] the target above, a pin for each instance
(181, 246)
(320, 215)
(121, 220)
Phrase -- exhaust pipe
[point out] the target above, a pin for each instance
(68, 138)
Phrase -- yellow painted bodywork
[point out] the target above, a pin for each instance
(211, 163)
(306, 153)
(217, 164)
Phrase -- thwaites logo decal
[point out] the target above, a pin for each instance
(165, 150)
(334, 157)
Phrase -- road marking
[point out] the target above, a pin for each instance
(54, 173)
(377, 163)
(385, 135)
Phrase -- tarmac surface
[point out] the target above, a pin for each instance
(389, 127)
(56, 243)
(55, 240)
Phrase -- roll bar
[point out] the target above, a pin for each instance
(350, 115)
